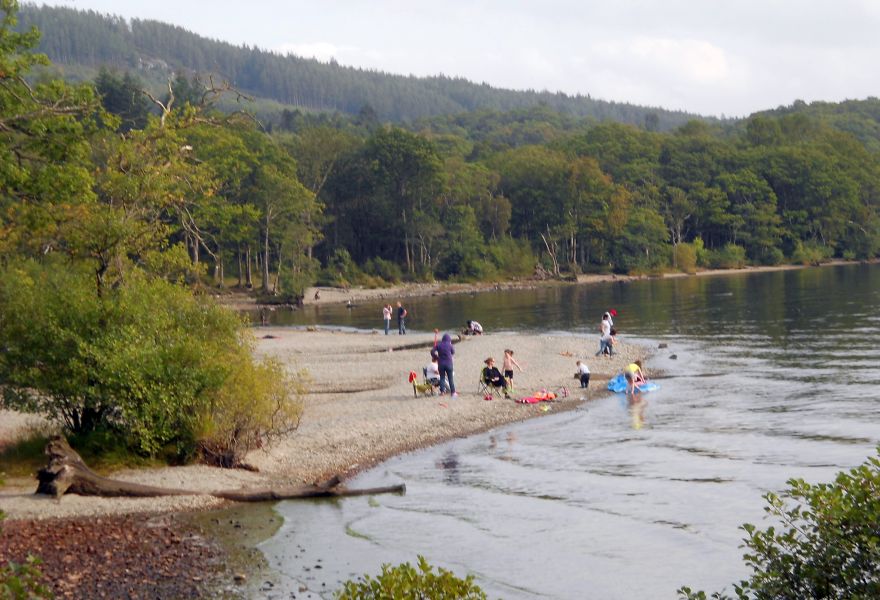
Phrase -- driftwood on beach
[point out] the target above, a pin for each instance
(67, 473)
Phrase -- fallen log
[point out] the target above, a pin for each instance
(67, 473)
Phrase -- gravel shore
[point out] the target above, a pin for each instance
(359, 411)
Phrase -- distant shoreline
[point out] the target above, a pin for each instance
(356, 295)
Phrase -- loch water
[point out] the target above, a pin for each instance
(765, 377)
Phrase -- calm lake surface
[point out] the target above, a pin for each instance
(776, 377)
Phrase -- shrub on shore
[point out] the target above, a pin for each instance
(405, 581)
(145, 360)
(827, 544)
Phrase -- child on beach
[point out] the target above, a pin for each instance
(432, 373)
(634, 377)
(507, 367)
(583, 373)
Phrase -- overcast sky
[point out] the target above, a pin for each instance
(712, 57)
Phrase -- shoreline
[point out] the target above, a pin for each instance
(353, 419)
(242, 300)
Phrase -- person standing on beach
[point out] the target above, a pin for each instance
(507, 367)
(401, 319)
(605, 338)
(444, 352)
(610, 313)
(386, 316)
(583, 373)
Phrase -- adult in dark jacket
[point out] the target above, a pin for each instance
(444, 351)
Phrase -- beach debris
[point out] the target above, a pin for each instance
(663, 345)
(673, 356)
(67, 473)
(542, 396)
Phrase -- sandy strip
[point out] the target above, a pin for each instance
(334, 295)
(360, 411)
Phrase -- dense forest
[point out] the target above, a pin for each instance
(154, 49)
(485, 194)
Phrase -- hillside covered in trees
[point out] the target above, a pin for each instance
(483, 194)
(155, 50)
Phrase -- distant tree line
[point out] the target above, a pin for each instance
(87, 38)
(490, 194)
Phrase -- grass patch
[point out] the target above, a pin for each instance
(24, 457)
(106, 451)
(103, 452)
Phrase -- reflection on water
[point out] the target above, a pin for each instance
(637, 411)
(775, 378)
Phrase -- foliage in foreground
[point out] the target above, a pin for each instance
(21, 582)
(405, 582)
(145, 360)
(826, 546)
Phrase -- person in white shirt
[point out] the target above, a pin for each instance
(432, 373)
(610, 313)
(386, 316)
(605, 340)
(583, 373)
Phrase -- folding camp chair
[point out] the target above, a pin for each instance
(486, 389)
(425, 388)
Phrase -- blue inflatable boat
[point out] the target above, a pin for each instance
(618, 384)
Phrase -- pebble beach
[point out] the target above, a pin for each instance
(359, 410)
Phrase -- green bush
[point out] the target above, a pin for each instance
(405, 582)
(826, 544)
(730, 256)
(422, 274)
(294, 279)
(145, 359)
(702, 253)
(810, 253)
(22, 582)
(387, 270)
(255, 404)
(341, 270)
(770, 256)
(684, 257)
(512, 257)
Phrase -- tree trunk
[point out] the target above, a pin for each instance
(266, 257)
(249, 278)
(67, 473)
(406, 249)
(240, 272)
(195, 252)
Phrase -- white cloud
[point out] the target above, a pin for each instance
(698, 61)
